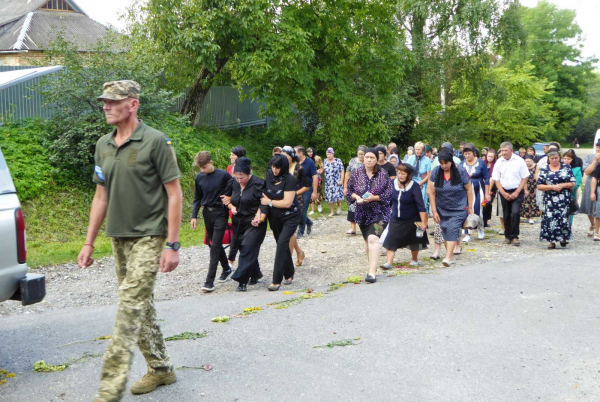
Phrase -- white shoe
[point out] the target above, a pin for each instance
(414, 263)
(466, 239)
(447, 263)
(339, 210)
(319, 208)
(531, 221)
(311, 212)
(481, 235)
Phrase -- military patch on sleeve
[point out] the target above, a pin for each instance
(168, 141)
(98, 171)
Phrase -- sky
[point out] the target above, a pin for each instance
(588, 17)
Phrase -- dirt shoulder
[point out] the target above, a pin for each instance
(331, 257)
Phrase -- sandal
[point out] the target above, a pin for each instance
(273, 287)
(351, 232)
(552, 246)
(596, 238)
(300, 260)
(457, 252)
(591, 232)
(288, 281)
(564, 244)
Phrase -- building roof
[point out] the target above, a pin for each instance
(14, 77)
(27, 27)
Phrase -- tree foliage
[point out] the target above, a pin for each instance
(325, 66)
(509, 105)
(553, 47)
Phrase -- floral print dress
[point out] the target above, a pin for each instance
(333, 175)
(352, 166)
(529, 208)
(555, 220)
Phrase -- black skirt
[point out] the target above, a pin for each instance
(351, 216)
(403, 234)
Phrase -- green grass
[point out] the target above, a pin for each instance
(57, 225)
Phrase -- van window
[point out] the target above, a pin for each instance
(6, 183)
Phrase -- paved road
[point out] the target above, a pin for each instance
(518, 332)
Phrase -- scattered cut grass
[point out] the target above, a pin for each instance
(340, 343)
(184, 336)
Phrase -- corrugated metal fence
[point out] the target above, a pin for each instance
(222, 106)
(19, 101)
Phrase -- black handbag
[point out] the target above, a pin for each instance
(573, 206)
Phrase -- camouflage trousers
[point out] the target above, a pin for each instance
(137, 262)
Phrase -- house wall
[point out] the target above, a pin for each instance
(22, 59)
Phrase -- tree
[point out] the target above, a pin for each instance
(508, 106)
(585, 130)
(328, 66)
(553, 48)
(450, 38)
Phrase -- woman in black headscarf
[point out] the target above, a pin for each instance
(280, 204)
(451, 197)
(249, 227)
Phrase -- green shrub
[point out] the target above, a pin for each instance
(27, 157)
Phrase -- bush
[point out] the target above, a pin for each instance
(78, 119)
(27, 156)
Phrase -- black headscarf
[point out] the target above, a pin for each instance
(279, 161)
(374, 151)
(446, 155)
(242, 165)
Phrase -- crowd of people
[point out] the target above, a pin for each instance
(391, 201)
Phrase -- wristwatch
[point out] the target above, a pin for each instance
(271, 203)
(175, 246)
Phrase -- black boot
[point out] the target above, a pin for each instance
(242, 287)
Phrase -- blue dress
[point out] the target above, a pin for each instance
(479, 179)
(556, 227)
(451, 204)
(333, 174)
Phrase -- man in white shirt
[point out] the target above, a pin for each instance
(510, 175)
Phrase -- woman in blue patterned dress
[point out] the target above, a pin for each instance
(556, 182)
(334, 182)
(451, 196)
(480, 179)
(422, 165)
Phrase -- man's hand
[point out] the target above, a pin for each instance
(84, 259)
(193, 223)
(313, 196)
(169, 260)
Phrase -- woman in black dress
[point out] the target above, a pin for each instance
(249, 226)
(301, 187)
(284, 217)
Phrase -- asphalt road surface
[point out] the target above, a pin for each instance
(523, 331)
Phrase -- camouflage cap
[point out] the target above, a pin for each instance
(118, 90)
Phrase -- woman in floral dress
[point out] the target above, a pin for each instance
(529, 208)
(556, 182)
(334, 181)
(312, 154)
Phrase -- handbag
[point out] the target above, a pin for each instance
(573, 207)
(227, 236)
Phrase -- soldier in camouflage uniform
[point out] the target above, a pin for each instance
(138, 191)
